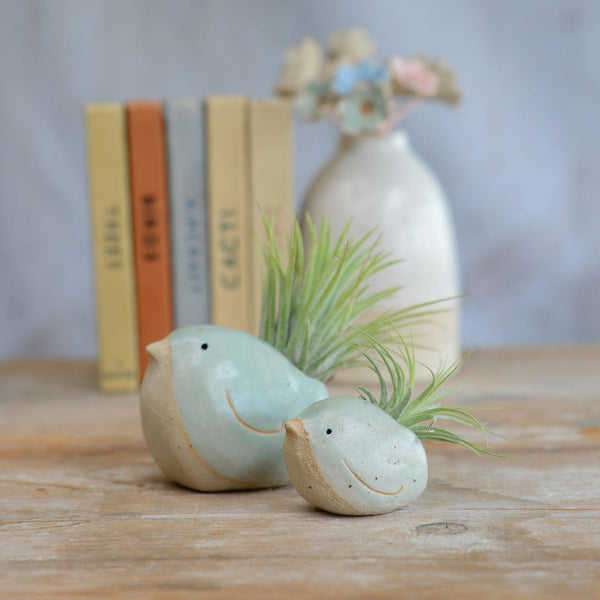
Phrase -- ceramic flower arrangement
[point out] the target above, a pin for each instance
(362, 95)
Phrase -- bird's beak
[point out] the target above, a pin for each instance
(158, 351)
(295, 427)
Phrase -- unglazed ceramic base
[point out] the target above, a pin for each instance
(213, 405)
(347, 456)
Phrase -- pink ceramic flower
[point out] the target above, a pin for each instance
(413, 75)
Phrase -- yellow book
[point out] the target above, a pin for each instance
(228, 212)
(108, 173)
(271, 182)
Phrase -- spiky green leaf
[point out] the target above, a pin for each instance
(313, 300)
(420, 414)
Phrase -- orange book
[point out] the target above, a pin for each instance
(150, 217)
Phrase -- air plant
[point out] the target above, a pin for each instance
(313, 301)
(421, 413)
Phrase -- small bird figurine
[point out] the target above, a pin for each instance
(364, 456)
(347, 456)
(213, 405)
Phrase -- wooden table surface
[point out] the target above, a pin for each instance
(84, 511)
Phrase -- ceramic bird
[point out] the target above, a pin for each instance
(364, 456)
(214, 400)
(347, 456)
(213, 405)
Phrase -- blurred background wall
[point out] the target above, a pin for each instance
(519, 159)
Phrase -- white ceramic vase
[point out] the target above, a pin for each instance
(379, 182)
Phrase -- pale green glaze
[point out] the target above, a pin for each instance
(233, 393)
(346, 455)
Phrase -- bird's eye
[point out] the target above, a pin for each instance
(204, 346)
(329, 432)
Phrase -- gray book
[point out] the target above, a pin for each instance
(187, 196)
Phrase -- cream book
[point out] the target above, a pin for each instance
(108, 174)
(271, 183)
(230, 246)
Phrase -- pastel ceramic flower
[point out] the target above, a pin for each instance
(413, 76)
(347, 76)
(330, 67)
(448, 88)
(315, 101)
(363, 110)
(352, 45)
(302, 64)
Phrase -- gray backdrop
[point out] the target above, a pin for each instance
(519, 159)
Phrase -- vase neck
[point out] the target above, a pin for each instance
(394, 139)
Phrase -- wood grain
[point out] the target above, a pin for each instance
(84, 511)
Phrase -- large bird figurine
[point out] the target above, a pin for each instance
(214, 404)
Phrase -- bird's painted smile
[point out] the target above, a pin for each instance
(247, 425)
(363, 482)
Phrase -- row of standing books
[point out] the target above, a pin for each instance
(178, 191)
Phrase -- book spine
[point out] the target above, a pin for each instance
(150, 211)
(188, 212)
(228, 209)
(271, 183)
(108, 175)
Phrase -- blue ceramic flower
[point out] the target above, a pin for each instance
(363, 110)
(347, 76)
(315, 101)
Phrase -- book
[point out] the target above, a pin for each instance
(150, 212)
(228, 208)
(108, 178)
(271, 183)
(188, 211)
